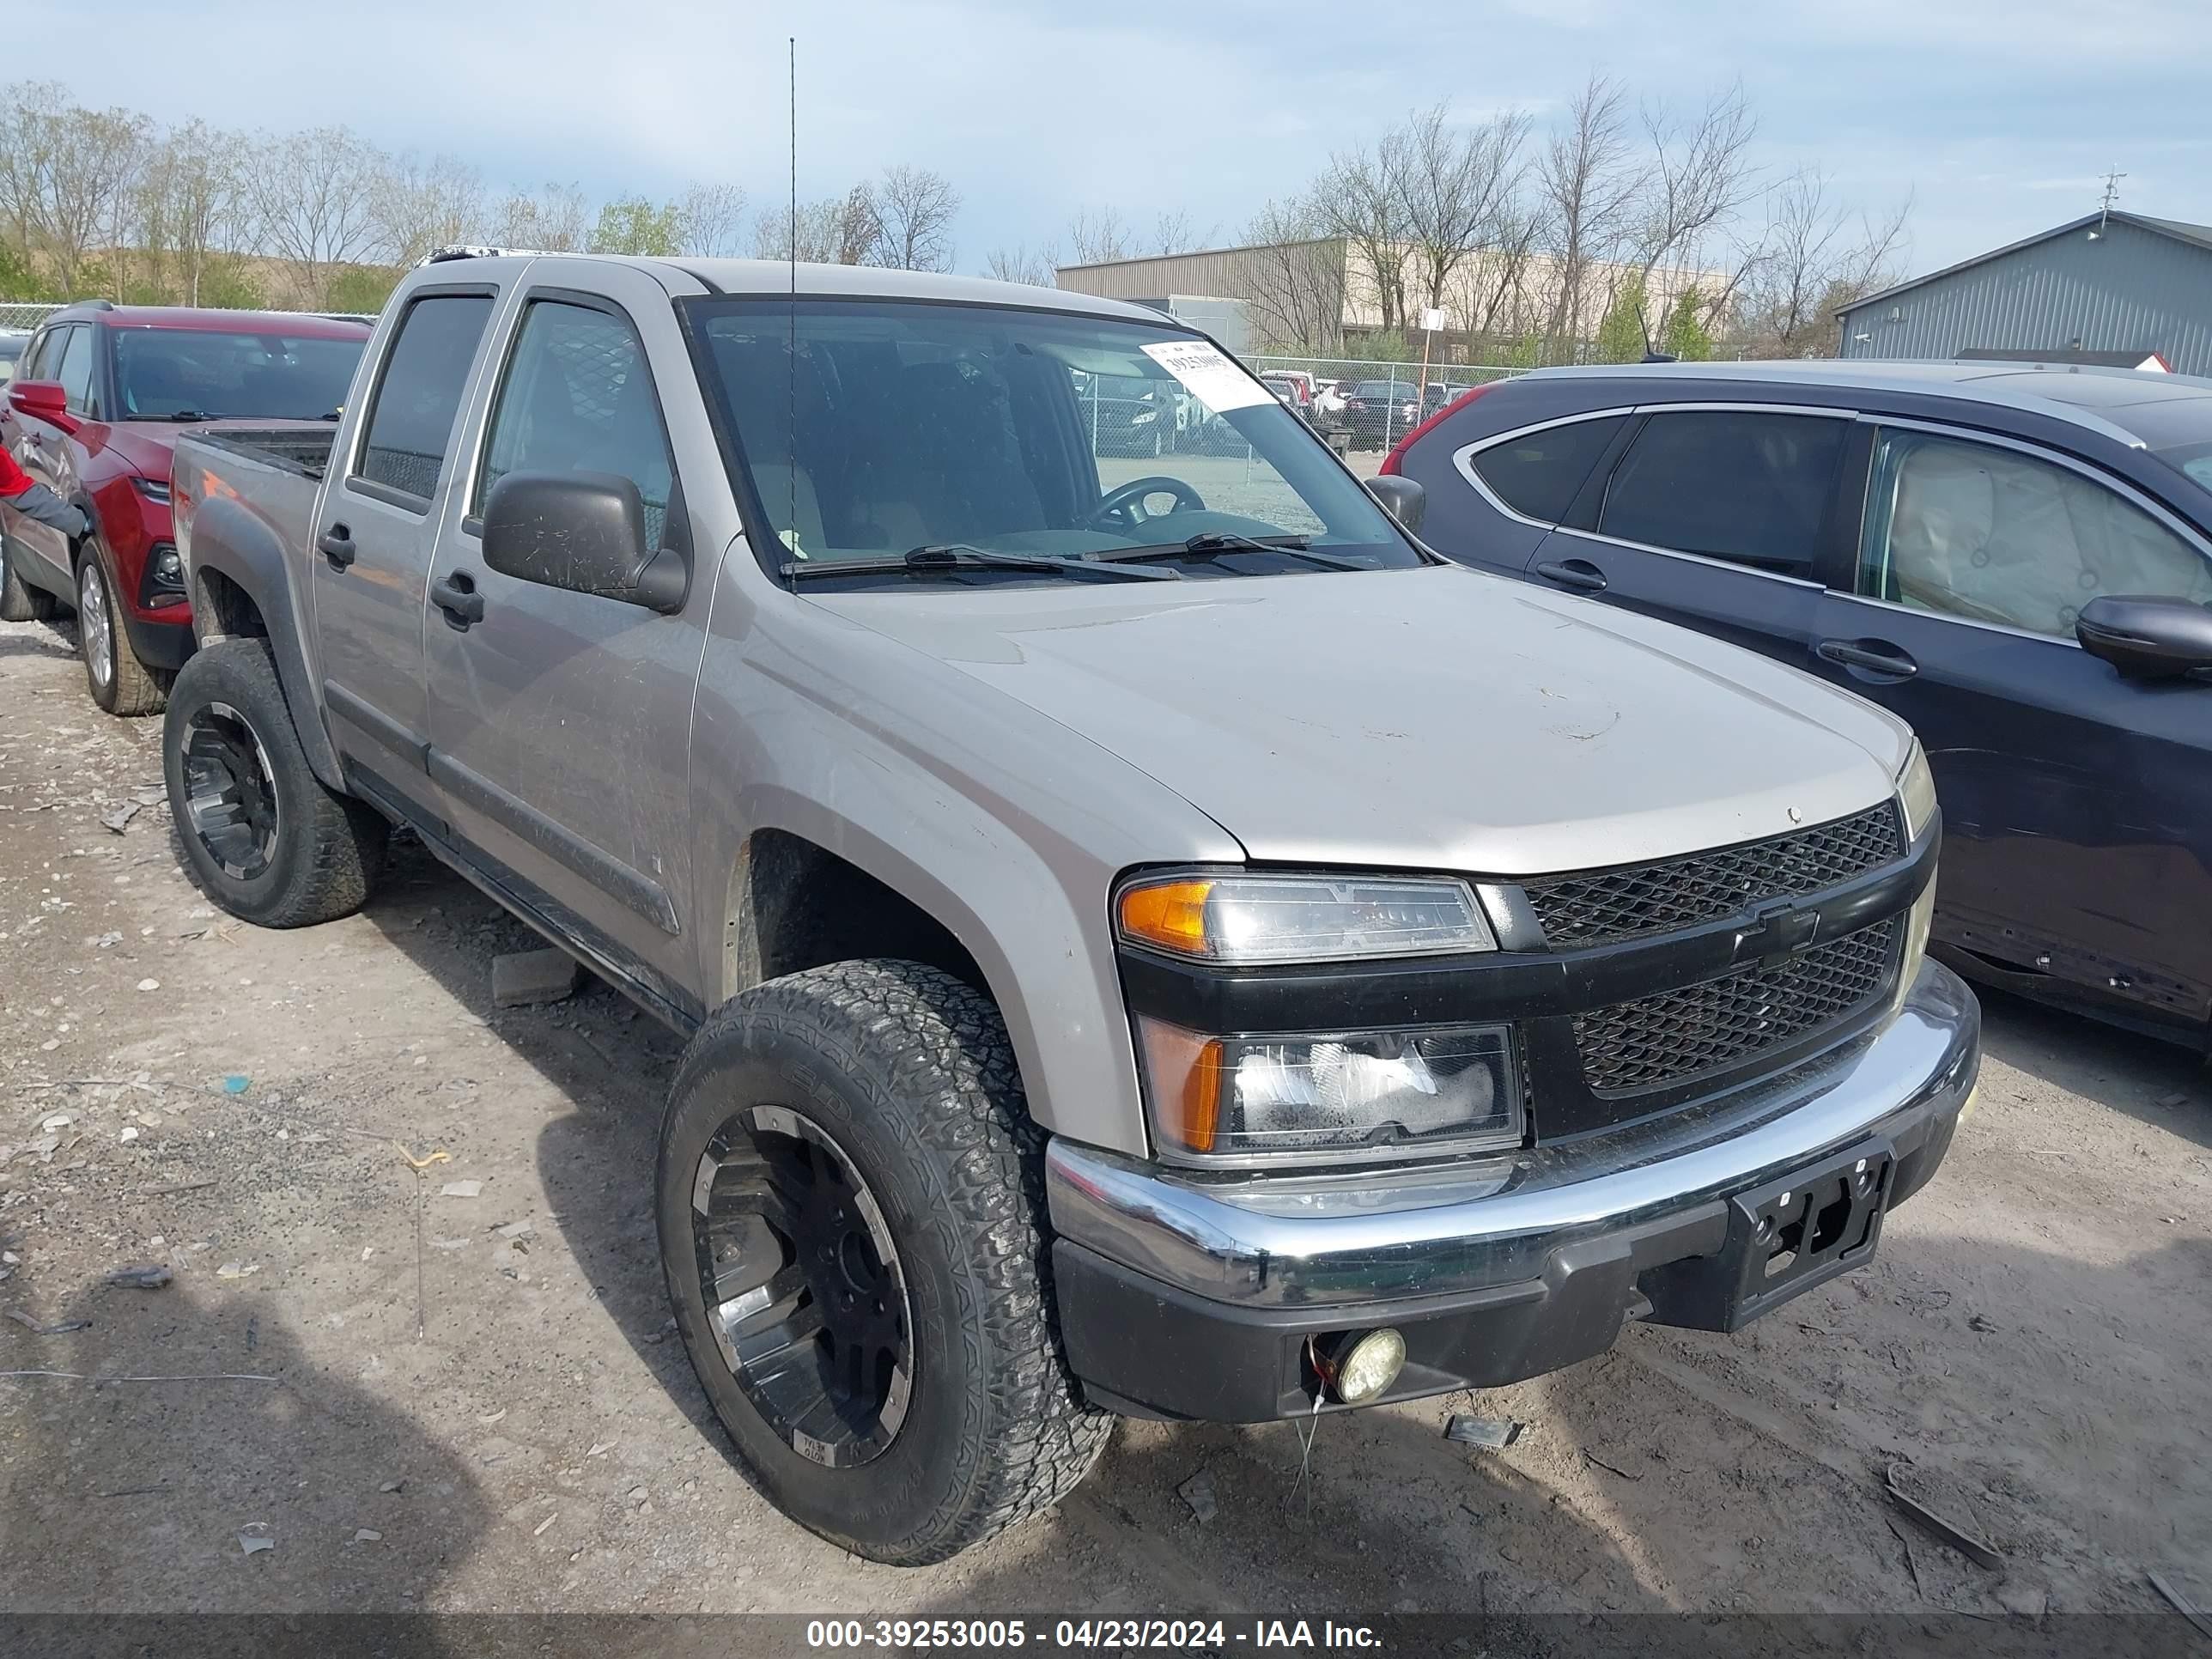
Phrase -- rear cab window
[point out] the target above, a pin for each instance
(1743, 486)
(410, 424)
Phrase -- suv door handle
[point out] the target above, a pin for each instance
(458, 598)
(1875, 657)
(336, 545)
(1574, 572)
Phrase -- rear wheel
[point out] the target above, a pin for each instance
(19, 600)
(120, 682)
(852, 1221)
(261, 834)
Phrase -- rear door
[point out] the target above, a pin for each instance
(1715, 516)
(560, 721)
(2077, 805)
(378, 525)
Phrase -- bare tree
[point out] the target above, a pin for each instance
(1039, 267)
(1175, 233)
(555, 220)
(190, 201)
(714, 218)
(1588, 184)
(1296, 278)
(313, 197)
(1700, 174)
(420, 206)
(68, 177)
(914, 208)
(1361, 197)
(837, 230)
(1458, 194)
(1098, 236)
(1815, 256)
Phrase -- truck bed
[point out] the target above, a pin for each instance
(269, 475)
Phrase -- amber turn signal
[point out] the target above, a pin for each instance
(1186, 1072)
(1169, 915)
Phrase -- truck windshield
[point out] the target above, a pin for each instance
(895, 425)
(191, 374)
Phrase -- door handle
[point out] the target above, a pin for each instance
(1574, 572)
(1876, 658)
(336, 545)
(458, 598)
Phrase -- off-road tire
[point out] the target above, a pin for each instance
(909, 1070)
(133, 688)
(328, 848)
(19, 600)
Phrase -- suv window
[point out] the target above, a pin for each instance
(411, 418)
(577, 399)
(1538, 473)
(74, 372)
(1975, 530)
(1741, 485)
(44, 352)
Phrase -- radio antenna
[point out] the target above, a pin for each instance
(791, 357)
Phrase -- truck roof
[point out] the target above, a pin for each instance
(770, 277)
(307, 324)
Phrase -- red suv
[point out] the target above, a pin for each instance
(91, 412)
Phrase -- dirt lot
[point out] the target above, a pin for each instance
(477, 1403)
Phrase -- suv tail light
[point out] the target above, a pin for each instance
(1391, 462)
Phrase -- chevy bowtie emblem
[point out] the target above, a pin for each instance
(1776, 930)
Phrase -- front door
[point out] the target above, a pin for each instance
(374, 542)
(42, 450)
(1714, 518)
(560, 721)
(2077, 805)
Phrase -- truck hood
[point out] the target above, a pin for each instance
(1433, 718)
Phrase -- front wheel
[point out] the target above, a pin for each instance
(119, 681)
(261, 834)
(853, 1224)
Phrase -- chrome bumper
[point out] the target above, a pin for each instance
(1284, 1242)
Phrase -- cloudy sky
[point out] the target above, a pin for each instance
(1999, 115)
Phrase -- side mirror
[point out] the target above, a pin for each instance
(2147, 639)
(584, 531)
(43, 400)
(1402, 498)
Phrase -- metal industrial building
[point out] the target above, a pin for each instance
(2109, 282)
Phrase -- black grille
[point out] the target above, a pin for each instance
(1656, 1040)
(1650, 898)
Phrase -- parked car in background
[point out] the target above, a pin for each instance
(1166, 945)
(1377, 413)
(2018, 559)
(1328, 402)
(1128, 415)
(1293, 392)
(93, 413)
(12, 342)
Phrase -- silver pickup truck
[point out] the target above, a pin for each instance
(1154, 939)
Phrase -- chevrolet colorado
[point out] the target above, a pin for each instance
(1154, 939)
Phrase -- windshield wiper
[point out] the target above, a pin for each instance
(936, 558)
(1212, 543)
(190, 415)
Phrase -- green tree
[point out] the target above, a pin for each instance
(19, 277)
(362, 287)
(228, 284)
(634, 225)
(1687, 338)
(1621, 336)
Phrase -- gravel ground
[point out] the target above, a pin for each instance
(431, 1401)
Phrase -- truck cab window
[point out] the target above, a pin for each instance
(1989, 534)
(578, 399)
(411, 419)
(1741, 485)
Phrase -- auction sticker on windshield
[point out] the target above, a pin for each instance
(1209, 376)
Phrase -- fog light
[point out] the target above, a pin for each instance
(1359, 1369)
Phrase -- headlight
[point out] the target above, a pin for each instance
(1916, 792)
(154, 489)
(1247, 920)
(1330, 1098)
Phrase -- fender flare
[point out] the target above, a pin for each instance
(227, 539)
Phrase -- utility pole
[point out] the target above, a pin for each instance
(2111, 195)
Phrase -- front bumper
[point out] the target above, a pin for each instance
(1184, 1296)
